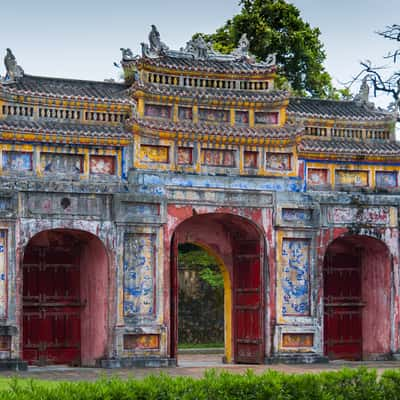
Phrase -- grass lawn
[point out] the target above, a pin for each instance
(200, 345)
(8, 383)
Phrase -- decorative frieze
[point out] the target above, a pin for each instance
(211, 115)
(185, 113)
(185, 156)
(141, 342)
(218, 158)
(102, 165)
(367, 215)
(61, 163)
(266, 118)
(154, 154)
(17, 161)
(157, 111)
(352, 178)
(296, 215)
(250, 159)
(386, 179)
(278, 161)
(296, 340)
(242, 118)
(317, 177)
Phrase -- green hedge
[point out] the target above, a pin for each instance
(346, 384)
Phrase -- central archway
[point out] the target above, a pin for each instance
(65, 286)
(238, 245)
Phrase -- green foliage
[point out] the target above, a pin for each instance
(194, 257)
(275, 26)
(357, 384)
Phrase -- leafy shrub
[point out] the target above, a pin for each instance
(359, 384)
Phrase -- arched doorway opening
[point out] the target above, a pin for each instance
(357, 299)
(65, 287)
(201, 281)
(238, 245)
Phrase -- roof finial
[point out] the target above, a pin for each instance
(363, 93)
(242, 51)
(14, 71)
(157, 47)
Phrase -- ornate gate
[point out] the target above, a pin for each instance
(248, 307)
(51, 305)
(342, 306)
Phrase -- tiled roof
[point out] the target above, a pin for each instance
(284, 132)
(19, 124)
(206, 65)
(349, 147)
(352, 110)
(68, 89)
(213, 93)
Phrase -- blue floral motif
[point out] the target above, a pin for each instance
(138, 275)
(295, 281)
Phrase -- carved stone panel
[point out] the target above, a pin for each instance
(139, 260)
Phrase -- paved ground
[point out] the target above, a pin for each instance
(189, 365)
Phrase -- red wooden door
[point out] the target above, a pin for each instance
(51, 306)
(342, 307)
(248, 303)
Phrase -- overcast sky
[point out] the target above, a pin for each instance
(81, 38)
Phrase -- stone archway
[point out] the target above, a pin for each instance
(65, 297)
(238, 245)
(357, 299)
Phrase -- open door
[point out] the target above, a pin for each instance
(248, 306)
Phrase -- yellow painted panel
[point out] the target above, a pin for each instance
(251, 117)
(150, 153)
(354, 178)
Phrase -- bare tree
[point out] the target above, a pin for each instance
(386, 78)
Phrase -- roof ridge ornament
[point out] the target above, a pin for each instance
(14, 71)
(198, 49)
